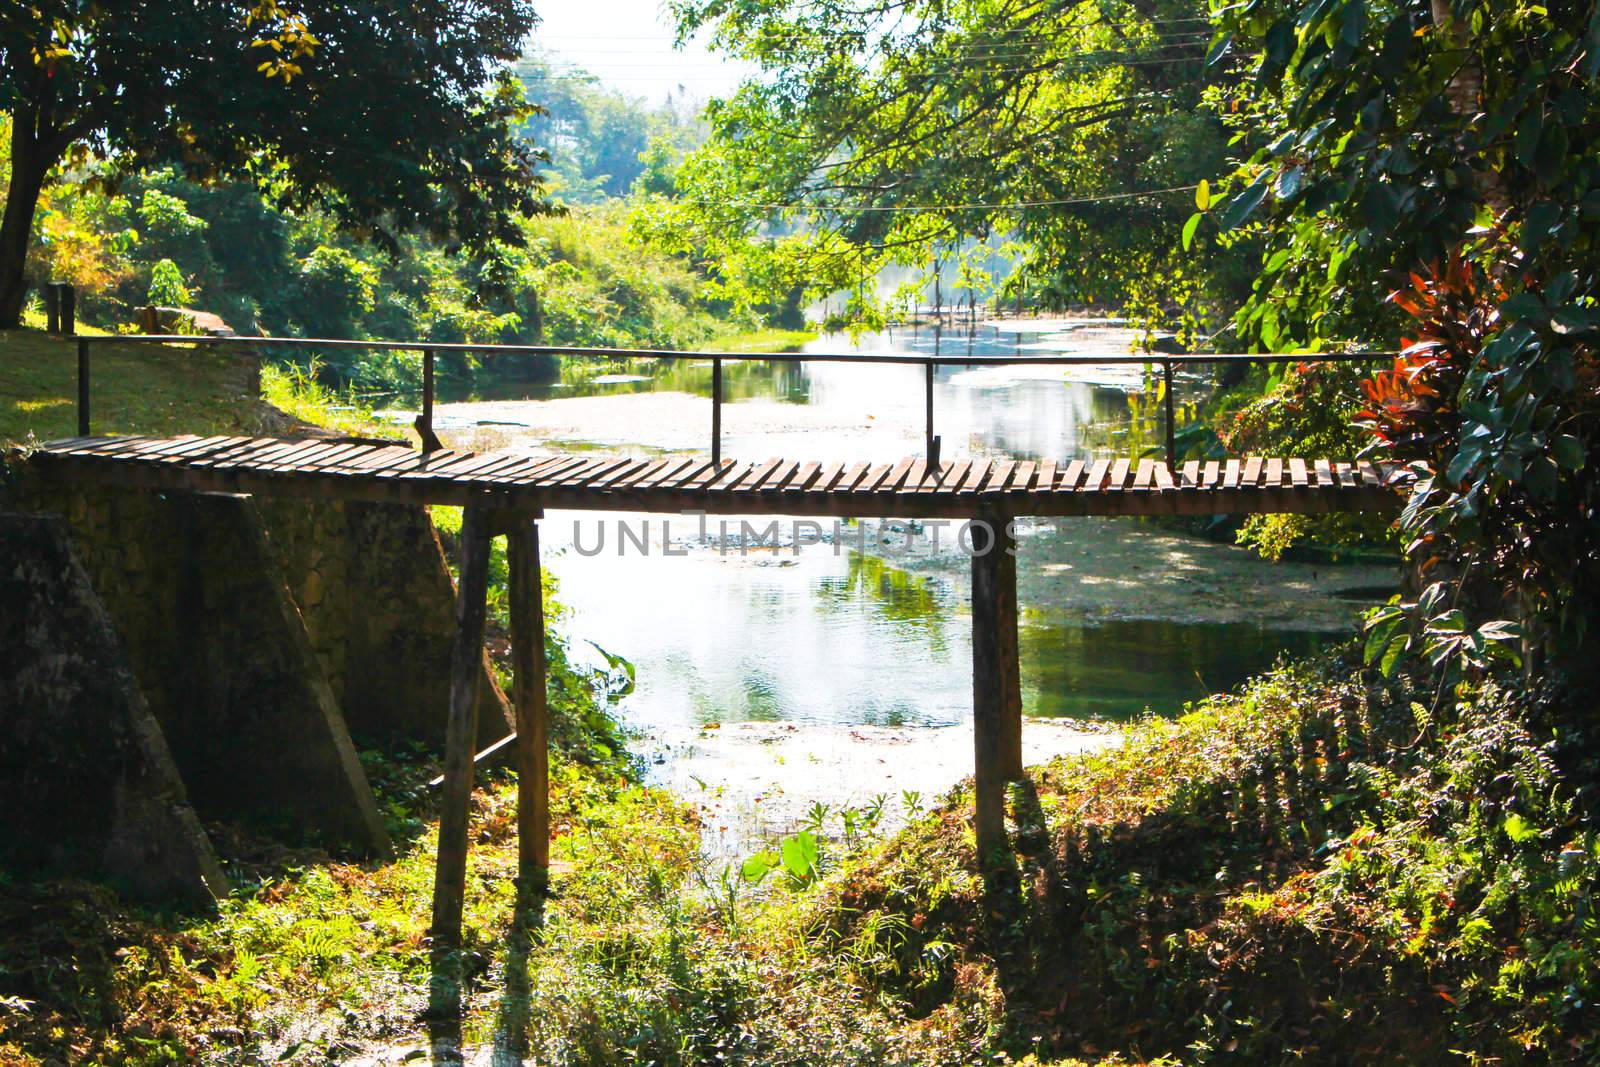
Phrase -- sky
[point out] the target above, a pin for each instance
(627, 44)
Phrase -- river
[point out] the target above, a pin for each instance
(835, 664)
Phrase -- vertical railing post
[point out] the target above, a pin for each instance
(83, 387)
(716, 412)
(1172, 451)
(424, 423)
(931, 441)
(68, 301)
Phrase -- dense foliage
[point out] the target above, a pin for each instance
(926, 134)
(1447, 151)
(396, 120)
(582, 278)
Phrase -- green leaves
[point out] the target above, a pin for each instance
(800, 853)
(1242, 206)
(1388, 637)
(1190, 227)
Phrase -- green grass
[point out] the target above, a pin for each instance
(133, 389)
(767, 340)
(158, 389)
(1317, 869)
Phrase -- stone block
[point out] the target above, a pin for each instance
(87, 783)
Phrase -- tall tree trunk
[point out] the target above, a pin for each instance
(30, 162)
(1465, 92)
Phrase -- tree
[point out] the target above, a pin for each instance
(1447, 153)
(392, 117)
(899, 127)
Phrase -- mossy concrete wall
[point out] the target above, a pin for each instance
(87, 783)
(266, 634)
(223, 656)
(378, 601)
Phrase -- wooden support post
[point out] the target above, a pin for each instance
(529, 696)
(461, 730)
(996, 676)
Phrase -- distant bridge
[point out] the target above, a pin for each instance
(506, 494)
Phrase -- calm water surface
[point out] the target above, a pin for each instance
(864, 627)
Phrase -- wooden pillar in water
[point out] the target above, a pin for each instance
(529, 696)
(461, 731)
(996, 677)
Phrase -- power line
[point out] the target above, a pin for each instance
(1010, 205)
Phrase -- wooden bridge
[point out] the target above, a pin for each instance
(506, 494)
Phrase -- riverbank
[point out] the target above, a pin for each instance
(1304, 872)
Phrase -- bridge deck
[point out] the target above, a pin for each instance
(364, 470)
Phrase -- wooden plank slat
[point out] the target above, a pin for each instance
(1145, 475)
(950, 475)
(896, 476)
(1000, 476)
(629, 469)
(600, 469)
(337, 457)
(1022, 478)
(305, 458)
(1117, 481)
(976, 475)
(210, 446)
(504, 464)
(427, 466)
(178, 446)
(1274, 472)
(228, 457)
(1163, 478)
(1047, 477)
(707, 475)
(1252, 472)
(677, 467)
(753, 475)
(873, 477)
(808, 474)
(1297, 473)
(267, 459)
(1096, 480)
(1074, 474)
(1324, 474)
(1212, 475)
(1189, 477)
(577, 476)
(637, 474)
(106, 446)
(1231, 474)
(517, 470)
(777, 477)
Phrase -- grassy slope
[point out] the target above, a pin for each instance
(134, 389)
(1320, 870)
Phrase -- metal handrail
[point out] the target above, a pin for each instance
(429, 351)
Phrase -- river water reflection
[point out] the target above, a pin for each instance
(1118, 616)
